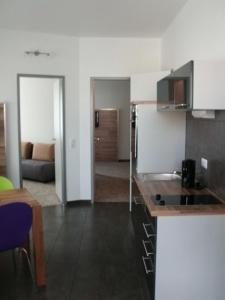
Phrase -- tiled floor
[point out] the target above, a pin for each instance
(44, 193)
(112, 181)
(90, 255)
(113, 169)
(111, 189)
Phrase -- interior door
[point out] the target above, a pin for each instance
(106, 135)
(58, 139)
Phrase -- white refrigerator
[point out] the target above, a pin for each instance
(157, 138)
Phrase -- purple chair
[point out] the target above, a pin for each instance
(15, 224)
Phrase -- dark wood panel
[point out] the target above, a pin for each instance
(106, 136)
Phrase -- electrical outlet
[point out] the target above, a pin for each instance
(204, 163)
(72, 143)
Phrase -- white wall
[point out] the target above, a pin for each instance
(63, 61)
(116, 94)
(108, 57)
(37, 110)
(196, 33)
(72, 58)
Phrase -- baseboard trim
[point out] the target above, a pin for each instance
(78, 202)
(123, 160)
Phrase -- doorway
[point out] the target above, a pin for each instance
(111, 139)
(42, 137)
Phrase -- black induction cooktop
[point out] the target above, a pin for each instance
(184, 200)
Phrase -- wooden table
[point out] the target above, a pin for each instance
(22, 195)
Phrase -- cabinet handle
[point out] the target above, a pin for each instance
(144, 259)
(182, 105)
(145, 243)
(148, 235)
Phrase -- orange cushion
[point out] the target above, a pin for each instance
(43, 152)
(26, 150)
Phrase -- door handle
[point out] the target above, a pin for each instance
(182, 105)
(98, 139)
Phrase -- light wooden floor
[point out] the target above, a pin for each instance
(112, 182)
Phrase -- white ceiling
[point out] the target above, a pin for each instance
(125, 18)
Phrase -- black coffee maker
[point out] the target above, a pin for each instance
(188, 173)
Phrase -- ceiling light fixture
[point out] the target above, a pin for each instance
(37, 53)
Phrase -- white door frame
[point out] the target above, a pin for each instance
(92, 87)
(62, 116)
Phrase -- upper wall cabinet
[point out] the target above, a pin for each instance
(144, 86)
(175, 91)
(197, 85)
(209, 85)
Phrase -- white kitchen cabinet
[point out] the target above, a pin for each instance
(143, 87)
(209, 85)
(190, 258)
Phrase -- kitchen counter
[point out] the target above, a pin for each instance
(150, 188)
(186, 258)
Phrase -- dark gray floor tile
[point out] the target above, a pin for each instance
(90, 255)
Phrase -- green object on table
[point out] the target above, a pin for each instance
(5, 184)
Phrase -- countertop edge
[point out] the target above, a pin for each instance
(167, 211)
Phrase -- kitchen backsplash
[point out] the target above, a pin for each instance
(206, 138)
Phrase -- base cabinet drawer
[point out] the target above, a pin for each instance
(148, 264)
(145, 228)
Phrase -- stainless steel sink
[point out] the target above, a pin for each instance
(160, 176)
